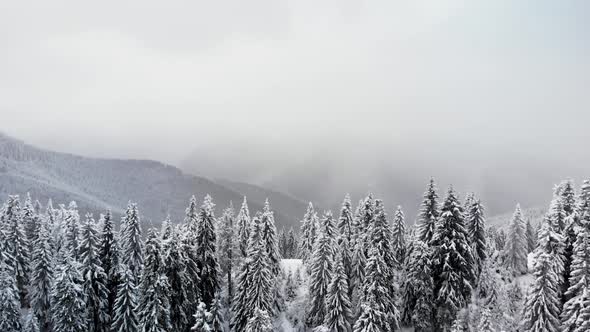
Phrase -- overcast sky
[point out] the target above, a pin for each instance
(157, 79)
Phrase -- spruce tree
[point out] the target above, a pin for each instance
(429, 213)
(260, 322)
(42, 275)
(372, 318)
(418, 288)
(345, 221)
(202, 318)
(71, 219)
(516, 247)
(399, 235)
(290, 288)
(485, 323)
(17, 246)
(175, 271)
(109, 260)
(338, 306)
(579, 283)
(475, 223)
(308, 233)
(31, 323)
(125, 317)
(207, 252)
(68, 301)
(321, 266)
(584, 315)
(541, 311)
(531, 236)
(269, 235)
(94, 278)
(9, 294)
(131, 244)
(291, 244)
(453, 262)
(217, 322)
(154, 305)
(226, 247)
(243, 228)
(30, 222)
(568, 196)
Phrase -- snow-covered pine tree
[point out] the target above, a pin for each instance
(9, 294)
(174, 269)
(154, 306)
(109, 259)
(475, 223)
(557, 214)
(359, 261)
(68, 302)
(418, 289)
(71, 219)
(429, 213)
(541, 311)
(321, 270)
(290, 288)
(191, 220)
(202, 318)
(516, 247)
(372, 318)
(398, 242)
(227, 247)
(269, 235)
(345, 220)
(31, 323)
(131, 244)
(243, 228)
(125, 318)
(166, 230)
(453, 262)
(531, 236)
(579, 283)
(255, 282)
(42, 275)
(17, 246)
(291, 244)
(95, 279)
(485, 323)
(338, 306)
(260, 322)
(308, 233)
(207, 252)
(217, 322)
(552, 243)
(29, 221)
(568, 196)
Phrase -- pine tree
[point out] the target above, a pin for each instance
(131, 244)
(191, 219)
(31, 323)
(226, 247)
(269, 235)
(321, 266)
(453, 262)
(359, 260)
(68, 302)
(154, 306)
(418, 288)
(568, 196)
(125, 308)
(217, 315)
(290, 288)
(516, 244)
(95, 279)
(372, 318)
(541, 311)
(531, 236)
(109, 259)
(9, 294)
(338, 305)
(260, 322)
(475, 223)
(485, 323)
(243, 228)
(429, 213)
(579, 283)
(584, 316)
(399, 236)
(202, 319)
(174, 269)
(308, 233)
(207, 252)
(291, 244)
(255, 282)
(42, 275)
(72, 229)
(345, 227)
(30, 222)
(552, 243)
(17, 246)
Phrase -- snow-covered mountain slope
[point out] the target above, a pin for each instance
(96, 184)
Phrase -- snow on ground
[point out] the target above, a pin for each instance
(291, 265)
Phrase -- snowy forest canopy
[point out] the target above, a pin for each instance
(361, 271)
